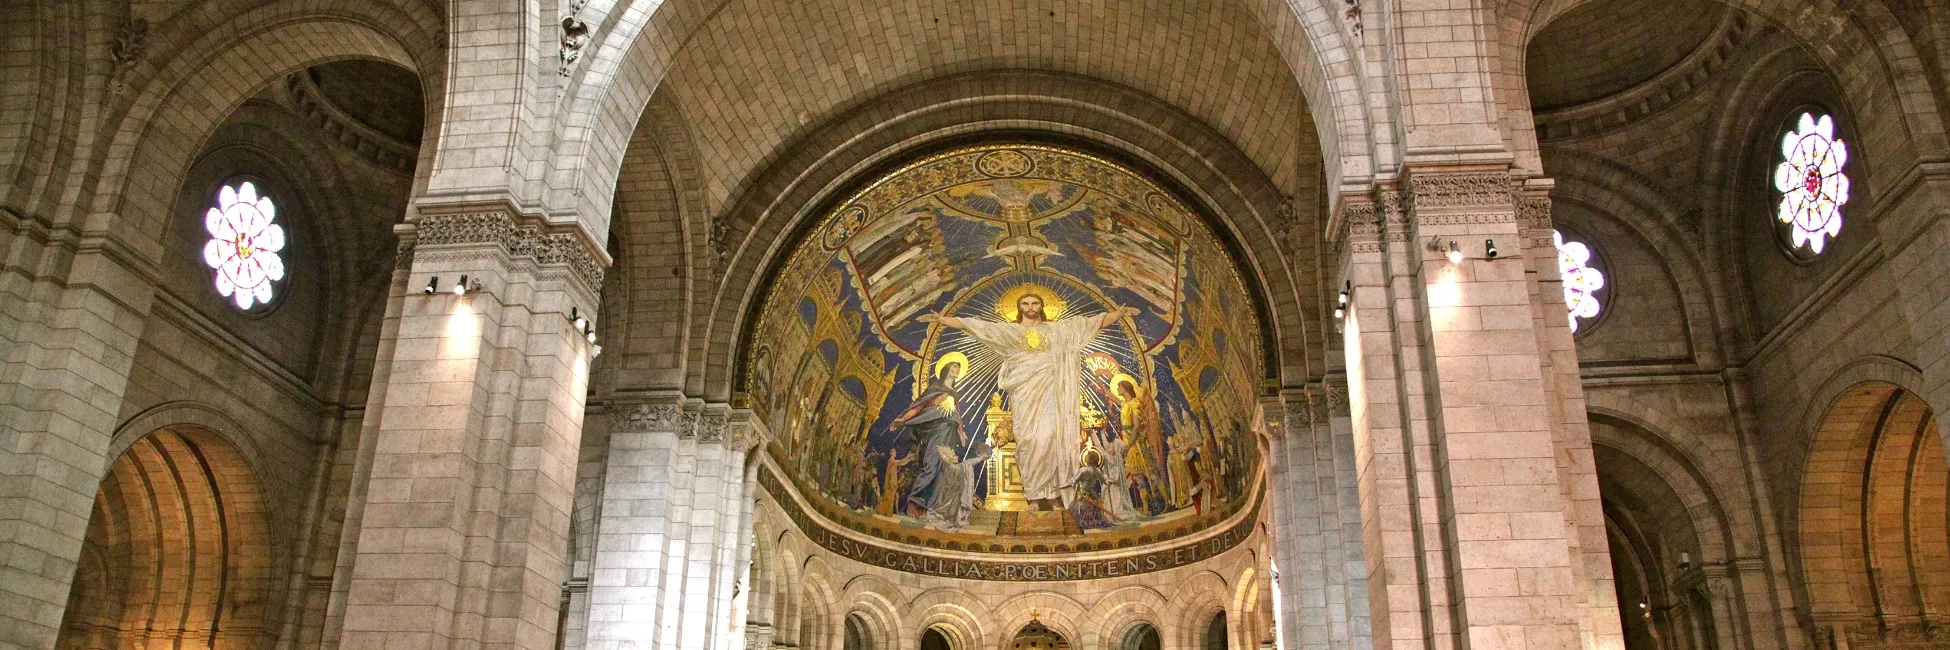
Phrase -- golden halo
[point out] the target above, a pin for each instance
(1053, 304)
(951, 357)
(1121, 379)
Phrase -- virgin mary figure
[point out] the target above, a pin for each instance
(1040, 359)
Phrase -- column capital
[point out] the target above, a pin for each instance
(687, 419)
(531, 243)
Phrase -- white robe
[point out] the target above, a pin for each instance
(1041, 380)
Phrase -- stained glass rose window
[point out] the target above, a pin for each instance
(244, 245)
(1810, 179)
(1581, 282)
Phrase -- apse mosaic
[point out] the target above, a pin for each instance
(1011, 348)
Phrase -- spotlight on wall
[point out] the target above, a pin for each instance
(1489, 248)
(433, 284)
(584, 326)
(461, 288)
(1340, 308)
(1685, 560)
(1455, 253)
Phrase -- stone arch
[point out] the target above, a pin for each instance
(1662, 510)
(873, 601)
(1060, 613)
(1656, 219)
(1863, 45)
(633, 48)
(1873, 547)
(178, 548)
(1118, 612)
(169, 117)
(938, 113)
(665, 257)
(821, 613)
(957, 614)
(1243, 625)
(1201, 596)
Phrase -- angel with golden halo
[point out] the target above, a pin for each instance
(1040, 358)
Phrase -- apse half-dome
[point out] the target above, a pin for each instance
(1010, 348)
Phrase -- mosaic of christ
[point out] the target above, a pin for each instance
(1014, 348)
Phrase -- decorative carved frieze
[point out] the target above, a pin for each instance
(524, 242)
(689, 424)
(644, 418)
(1534, 212)
(712, 427)
(1465, 189)
(1334, 400)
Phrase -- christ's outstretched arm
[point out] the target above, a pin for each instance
(950, 321)
(1111, 316)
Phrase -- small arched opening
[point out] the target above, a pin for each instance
(176, 551)
(935, 639)
(859, 635)
(1215, 633)
(1141, 636)
(1037, 636)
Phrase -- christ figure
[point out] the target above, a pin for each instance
(1040, 359)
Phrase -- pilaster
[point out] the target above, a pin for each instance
(477, 412)
(672, 527)
(1316, 518)
(1479, 493)
(74, 317)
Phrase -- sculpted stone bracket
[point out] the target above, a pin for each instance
(527, 241)
(689, 420)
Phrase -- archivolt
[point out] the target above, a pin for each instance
(186, 97)
(637, 43)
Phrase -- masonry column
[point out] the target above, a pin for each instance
(1461, 403)
(671, 526)
(464, 520)
(69, 333)
(1317, 520)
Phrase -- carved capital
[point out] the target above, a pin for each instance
(644, 418)
(530, 243)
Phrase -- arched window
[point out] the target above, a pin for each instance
(1812, 185)
(244, 244)
(1581, 281)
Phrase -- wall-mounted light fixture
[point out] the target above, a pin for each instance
(1340, 308)
(461, 288)
(1489, 248)
(1455, 253)
(588, 330)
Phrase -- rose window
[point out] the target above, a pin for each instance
(1813, 187)
(244, 245)
(1581, 282)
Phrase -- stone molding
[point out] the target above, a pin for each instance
(533, 243)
